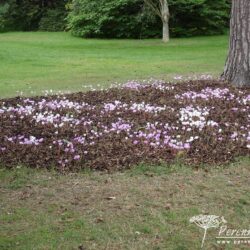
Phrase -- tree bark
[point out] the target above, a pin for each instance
(161, 9)
(165, 32)
(165, 21)
(237, 68)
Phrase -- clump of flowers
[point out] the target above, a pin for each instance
(150, 121)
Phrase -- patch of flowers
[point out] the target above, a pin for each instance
(205, 121)
(134, 107)
(207, 94)
(22, 140)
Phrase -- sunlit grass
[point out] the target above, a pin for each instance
(35, 61)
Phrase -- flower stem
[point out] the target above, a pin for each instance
(204, 237)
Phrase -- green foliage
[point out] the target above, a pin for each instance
(6, 15)
(53, 20)
(114, 18)
(20, 15)
(3, 12)
(131, 19)
(26, 15)
(106, 18)
(198, 17)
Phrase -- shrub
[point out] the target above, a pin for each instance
(106, 18)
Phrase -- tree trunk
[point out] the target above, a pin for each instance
(165, 32)
(237, 68)
(165, 21)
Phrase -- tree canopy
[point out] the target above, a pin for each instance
(114, 18)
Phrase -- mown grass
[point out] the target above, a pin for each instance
(35, 61)
(147, 207)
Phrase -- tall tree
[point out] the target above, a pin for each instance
(160, 7)
(237, 68)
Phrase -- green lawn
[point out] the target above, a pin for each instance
(142, 208)
(39, 61)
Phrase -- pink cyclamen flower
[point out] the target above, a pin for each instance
(77, 157)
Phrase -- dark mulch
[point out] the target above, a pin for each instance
(197, 121)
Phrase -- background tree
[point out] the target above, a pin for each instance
(27, 15)
(237, 69)
(115, 18)
(135, 19)
(160, 7)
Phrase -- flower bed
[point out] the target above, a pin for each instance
(202, 121)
